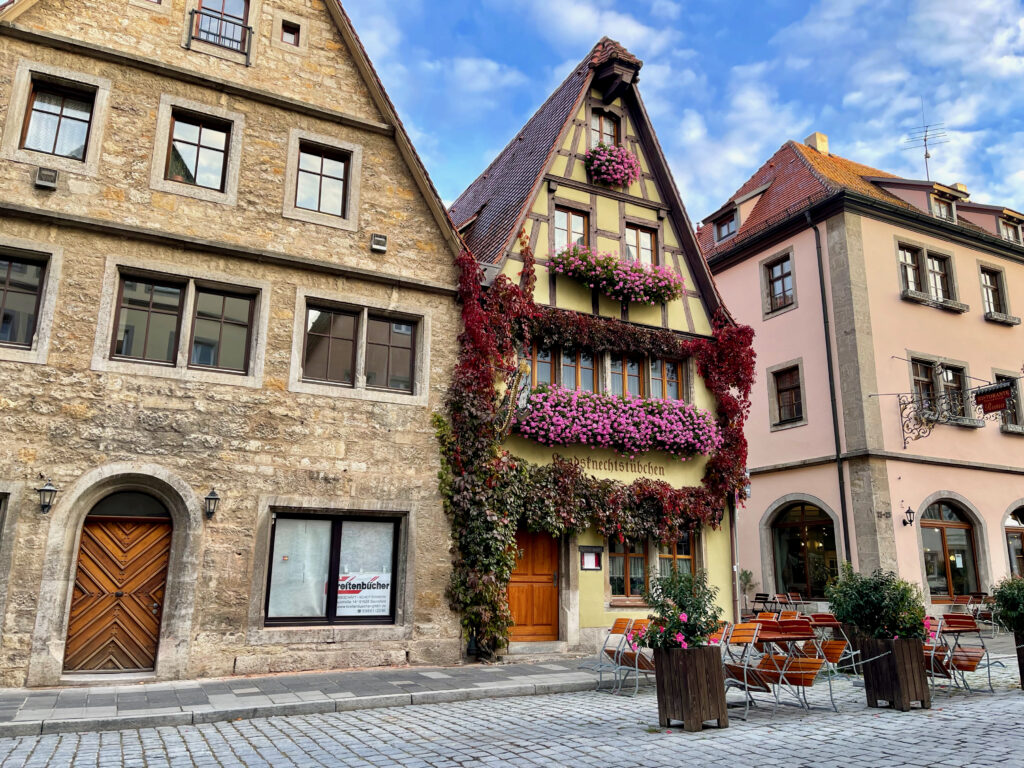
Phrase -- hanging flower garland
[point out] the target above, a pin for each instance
(489, 494)
(617, 279)
(612, 165)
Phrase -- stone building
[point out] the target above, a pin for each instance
(884, 308)
(222, 266)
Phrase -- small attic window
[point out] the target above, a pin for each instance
(1010, 230)
(604, 129)
(725, 227)
(290, 33)
(943, 208)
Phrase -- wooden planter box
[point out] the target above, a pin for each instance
(691, 686)
(899, 677)
(1018, 641)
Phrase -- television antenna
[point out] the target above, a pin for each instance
(925, 136)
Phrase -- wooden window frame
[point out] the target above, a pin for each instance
(803, 525)
(181, 285)
(674, 557)
(910, 267)
(333, 567)
(578, 368)
(635, 231)
(202, 122)
(251, 298)
(659, 384)
(923, 386)
(38, 85)
(624, 360)
(726, 227)
(948, 388)
(785, 261)
(992, 298)
(1010, 231)
(942, 525)
(602, 116)
(389, 319)
(798, 403)
(569, 213)
(940, 282)
(626, 556)
(5, 291)
(241, 22)
(357, 316)
(339, 156)
(1017, 514)
(937, 208)
(290, 27)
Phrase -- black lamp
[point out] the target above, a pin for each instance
(909, 515)
(211, 501)
(46, 496)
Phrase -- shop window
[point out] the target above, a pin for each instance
(947, 538)
(1015, 541)
(627, 568)
(21, 288)
(571, 228)
(58, 120)
(332, 570)
(677, 556)
(805, 550)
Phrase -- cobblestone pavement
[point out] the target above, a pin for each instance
(569, 729)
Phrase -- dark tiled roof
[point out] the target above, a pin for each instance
(498, 195)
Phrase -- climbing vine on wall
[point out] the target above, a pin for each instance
(489, 494)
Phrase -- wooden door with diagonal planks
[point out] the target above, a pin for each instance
(118, 599)
(533, 589)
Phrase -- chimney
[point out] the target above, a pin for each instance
(818, 141)
(960, 186)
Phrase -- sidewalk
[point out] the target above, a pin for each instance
(27, 712)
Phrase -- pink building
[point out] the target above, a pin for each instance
(881, 306)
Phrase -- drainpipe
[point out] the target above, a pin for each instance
(734, 559)
(832, 390)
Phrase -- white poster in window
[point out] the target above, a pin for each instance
(364, 594)
(959, 560)
(364, 578)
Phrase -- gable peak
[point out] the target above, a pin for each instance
(608, 50)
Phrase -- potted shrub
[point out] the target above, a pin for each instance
(886, 616)
(747, 585)
(1008, 612)
(688, 668)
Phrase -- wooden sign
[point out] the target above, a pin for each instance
(995, 397)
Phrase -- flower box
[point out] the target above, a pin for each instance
(612, 165)
(617, 279)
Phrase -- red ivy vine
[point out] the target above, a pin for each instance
(489, 494)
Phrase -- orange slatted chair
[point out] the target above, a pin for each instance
(765, 616)
(740, 663)
(634, 661)
(788, 615)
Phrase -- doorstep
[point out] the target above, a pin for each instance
(117, 705)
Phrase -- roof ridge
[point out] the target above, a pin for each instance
(795, 146)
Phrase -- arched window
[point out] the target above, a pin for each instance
(1015, 541)
(805, 550)
(948, 541)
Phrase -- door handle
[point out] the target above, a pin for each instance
(119, 593)
(156, 608)
(554, 579)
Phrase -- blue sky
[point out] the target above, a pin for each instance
(726, 82)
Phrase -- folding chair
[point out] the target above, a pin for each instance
(797, 600)
(762, 599)
(782, 602)
(960, 658)
(607, 658)
(634, 662)
(766, 616)
(796, 673)
(961, 603)
(788, 615)
(739, 663)
(850, 657)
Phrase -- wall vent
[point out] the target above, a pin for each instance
(46, 178)
(379, 243)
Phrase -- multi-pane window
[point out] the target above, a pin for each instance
(290, 33)
(1011, 231)
(626, 376)
(788, 396)
(627, 567)
(579, 370)
(947, 538)
(570, 228)
(330, 351)
(992, 291)
(677, 556)
(668, 379)
(779, 279)
(954, 390)
(910, 268)
(923, 373)
(641, 245)
(198, 150)
(58, 121)
(1010, 414)
(725, 228)
(221, 330)
(322, 181)
(541, 362)
(223, 23)
(604, 129)
(148, 320)
(332, 570)
(390, 346)
(938, 277)
(21, 285)
(943, 209)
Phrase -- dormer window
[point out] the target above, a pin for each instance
(725, 228)
(1010, 231)
(943, 209)
(604, 129)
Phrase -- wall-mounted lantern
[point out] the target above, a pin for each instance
(909, 515)
(211, 501)
(46, 496)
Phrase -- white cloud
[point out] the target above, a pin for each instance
(584, 22)
(666, 9)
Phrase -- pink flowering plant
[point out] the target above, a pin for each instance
(617, 279)
(612, 165)
(684, 613)
(628, 425)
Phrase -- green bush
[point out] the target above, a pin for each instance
(683, 611)
(881, 605)
(1009, 607)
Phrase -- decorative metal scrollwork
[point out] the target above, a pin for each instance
(920, 413)
(510, 401)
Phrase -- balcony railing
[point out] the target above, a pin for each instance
(219, 29)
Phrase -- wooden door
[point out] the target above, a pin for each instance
(533, 590)
(118, 599)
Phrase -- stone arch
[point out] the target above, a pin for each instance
(62, 541)
(765, 531)
(1018, 504)
(979, 530)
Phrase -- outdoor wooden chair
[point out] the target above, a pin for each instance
(760, 599)
(951, 658)
(607, 658)
(828, 621)
(766, 616)
(634, 661)
(740, 664)
(960, 603)
(781, 601)
(797, 600)
(788, 615)
(795, 673)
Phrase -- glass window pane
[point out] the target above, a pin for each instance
(131, 332)
(318, 321)
(213, 138)
(378, 331)
(616, 571)
(960, 553)
(167, 297)
(47, 102)
(309, 162)
(42, 130)
(298, 577)
(315, 364)
(307, 191)
(334, 168)
(182, 163)
(934, 560)
(376, 365)
(71, 139)
(78, 109)
(635, 547)
(211, 165)
(400, 373)
(233, 347)
(790, 565)
(205, 342)
(637, 575)
(237, 309)
(364, 568)
(664, 567)
(344, 326)
(342, 361)
(1015, 542)
(209, 304)
(587, 379)
(186, 131)
(163, 338)
(331, 196)
(19, 318)
(24, 276)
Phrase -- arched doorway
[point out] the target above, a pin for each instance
(947, 538)
(1015, 541)
(804, 541)
(118, 599)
